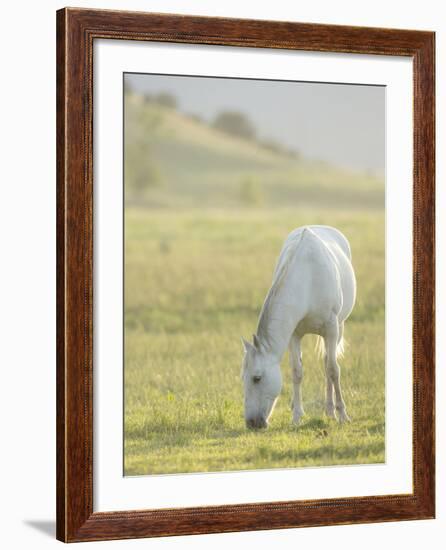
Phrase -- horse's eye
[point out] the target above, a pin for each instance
(256, 379)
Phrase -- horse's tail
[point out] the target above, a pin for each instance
(320, 347)
(340, 347)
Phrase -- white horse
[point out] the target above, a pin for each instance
(313, 292)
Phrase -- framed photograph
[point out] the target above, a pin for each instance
(245, 275)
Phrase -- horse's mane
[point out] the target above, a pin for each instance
(280, 273)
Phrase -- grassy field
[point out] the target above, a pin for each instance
(206, 215)
(194, 284)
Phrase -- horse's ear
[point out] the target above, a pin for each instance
(255, 341)
(247, 346)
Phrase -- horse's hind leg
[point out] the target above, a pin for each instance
(329, 396)
(297, 374)
(332, 368)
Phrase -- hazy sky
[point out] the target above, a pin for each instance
(343, 124)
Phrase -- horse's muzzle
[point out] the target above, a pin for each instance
(256, 423)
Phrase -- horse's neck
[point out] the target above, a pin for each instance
(276, 325)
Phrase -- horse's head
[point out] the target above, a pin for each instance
(262, 381)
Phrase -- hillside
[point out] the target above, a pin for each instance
(176, 160)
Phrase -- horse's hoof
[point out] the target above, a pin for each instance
(331, 414)
(343, 418)
(297, 418)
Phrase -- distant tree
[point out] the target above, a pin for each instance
(272, 145)
(142, 129)
(141, 172)
(128, 89)
(276, 147)
(195, 117)
(235, 123)
(167, 100)
(293, 153)
(250, 191)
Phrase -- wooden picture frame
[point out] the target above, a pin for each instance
(76, 31)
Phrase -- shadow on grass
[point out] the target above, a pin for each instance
(332, 452)
(313, 425)
(182, 434)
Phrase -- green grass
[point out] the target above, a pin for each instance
(195, 281)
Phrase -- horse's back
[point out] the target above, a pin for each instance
(329, 235)
(325, 253)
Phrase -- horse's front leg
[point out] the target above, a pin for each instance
(297, 375)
